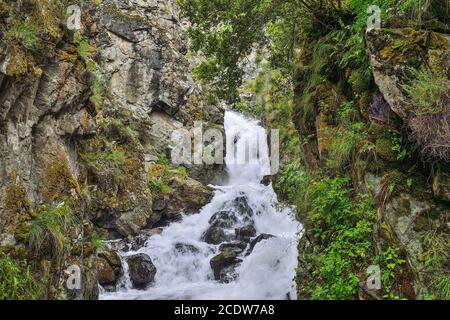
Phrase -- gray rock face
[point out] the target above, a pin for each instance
(142, 270)
(49, 124)
(407, 219)
(390, 70)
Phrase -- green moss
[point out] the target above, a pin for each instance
(33, 30)
(24, 32)
(97, 242)
(59, 180)
(383, 149)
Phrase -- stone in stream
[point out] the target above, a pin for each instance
(109, 269)
(242, 206)
(223, 219)
(236, 246)
(245, 233)
(259, 238)
(186, 248)
(215, 234)
(142, 271)
(223, 265)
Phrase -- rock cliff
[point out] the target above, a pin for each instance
(85, 118)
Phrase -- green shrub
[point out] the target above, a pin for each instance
(342, 225)
(17, 281)
(49, 230)
(426, 90)
(159, 176)
(97, 242)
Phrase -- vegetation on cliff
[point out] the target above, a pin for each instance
(359, 147)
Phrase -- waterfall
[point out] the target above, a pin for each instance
(266, 273)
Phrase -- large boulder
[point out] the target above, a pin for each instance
(394, 53)
(109, 269)
(242, 207)
(219, 222)
(142, 271)
(235, 246)
(188, 196)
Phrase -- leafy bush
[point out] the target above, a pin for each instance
(342, 225)
(391, 265)
(17, 281)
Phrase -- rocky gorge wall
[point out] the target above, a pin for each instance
(364, 124)
(85, 125)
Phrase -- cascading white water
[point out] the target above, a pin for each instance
(267, 273)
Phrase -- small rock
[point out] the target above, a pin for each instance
(142, 270)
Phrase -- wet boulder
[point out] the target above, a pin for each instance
(220, 221)
(223, 219)
(245, 233)
(215, 235)
(109, 269)
(259, 238)
(188, 196)
(235, 246)
(242, 207)
(223, 265)
(142, 271)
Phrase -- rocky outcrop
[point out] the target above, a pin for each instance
(393, 54)
(142, 271)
